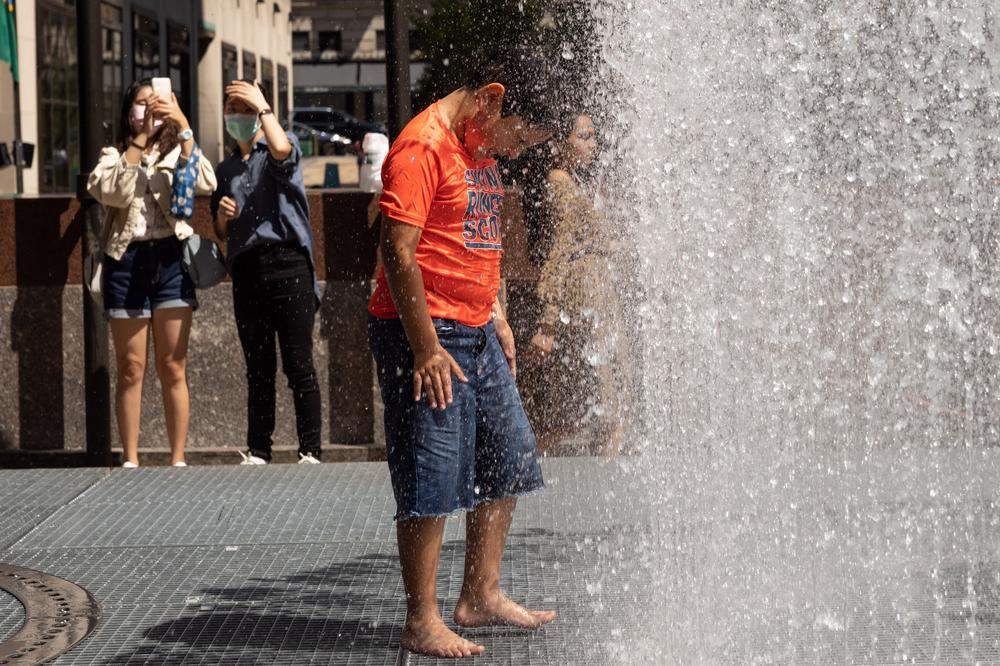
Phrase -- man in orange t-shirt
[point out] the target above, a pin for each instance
(451, 446)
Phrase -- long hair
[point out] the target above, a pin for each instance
(166, 138)
(535, 166)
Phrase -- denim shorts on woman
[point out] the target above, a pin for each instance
(149, 276)
(479, 449)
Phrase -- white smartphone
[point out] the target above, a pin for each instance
(161, 86)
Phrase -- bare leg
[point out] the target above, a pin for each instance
(171, 331)
(425, 631)
(131, 339)
(481, 602)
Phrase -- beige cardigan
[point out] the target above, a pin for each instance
(120, 186)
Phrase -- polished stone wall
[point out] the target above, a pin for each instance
(41, 337)
(41, 334)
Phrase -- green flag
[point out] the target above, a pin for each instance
(8, 36)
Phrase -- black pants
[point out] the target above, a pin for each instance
(273, 296)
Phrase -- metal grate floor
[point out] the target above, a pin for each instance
(11, 615)
(297, 565)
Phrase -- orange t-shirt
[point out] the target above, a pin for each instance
(430, 181)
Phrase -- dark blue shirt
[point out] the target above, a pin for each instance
(271, 198)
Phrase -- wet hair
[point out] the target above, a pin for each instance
(522, 73)
(166, 138)
(493, 72)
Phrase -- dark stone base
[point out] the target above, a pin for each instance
(41, 374)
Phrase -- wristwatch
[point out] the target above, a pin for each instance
(264, 112)
(186, 134)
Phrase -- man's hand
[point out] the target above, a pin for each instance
(432, 373)
(506, 337)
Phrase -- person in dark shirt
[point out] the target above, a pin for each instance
(260, 210)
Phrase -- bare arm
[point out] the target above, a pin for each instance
(564, 220)
(277, 141)
(432, 365)
(221, 227)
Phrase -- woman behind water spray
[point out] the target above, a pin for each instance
(575, 377)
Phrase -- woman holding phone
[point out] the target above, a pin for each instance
(144, 286)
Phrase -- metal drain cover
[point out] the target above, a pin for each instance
(58, 615)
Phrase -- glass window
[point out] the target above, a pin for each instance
(380, 40)
(282, 106)
(300, 41)
(249, 65)
(111, 75)
(145, 46)
(230, 65)
(267, 79)
(179, 61)
(58, 104)
(331, 40)
(230, 73)
(378, 107)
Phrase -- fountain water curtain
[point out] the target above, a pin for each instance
(813, 187)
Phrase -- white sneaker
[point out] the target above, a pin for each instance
(250, 459)
(307, 459)
(180, 464)
(129, 465)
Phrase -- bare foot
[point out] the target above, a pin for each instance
(434, 639)
(497, 610)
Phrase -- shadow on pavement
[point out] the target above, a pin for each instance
(346, 612)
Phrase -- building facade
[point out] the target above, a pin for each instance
(247, 39)
(338, 50)
(198, 44)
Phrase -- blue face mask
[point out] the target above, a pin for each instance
(242, 126)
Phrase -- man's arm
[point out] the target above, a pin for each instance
(432, 365)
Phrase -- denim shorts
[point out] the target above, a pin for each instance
(479, 449)
(149, 276)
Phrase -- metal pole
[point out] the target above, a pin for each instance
(18, 167)
(397, 64)
(97, 383)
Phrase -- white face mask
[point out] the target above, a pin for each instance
(138, 116)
